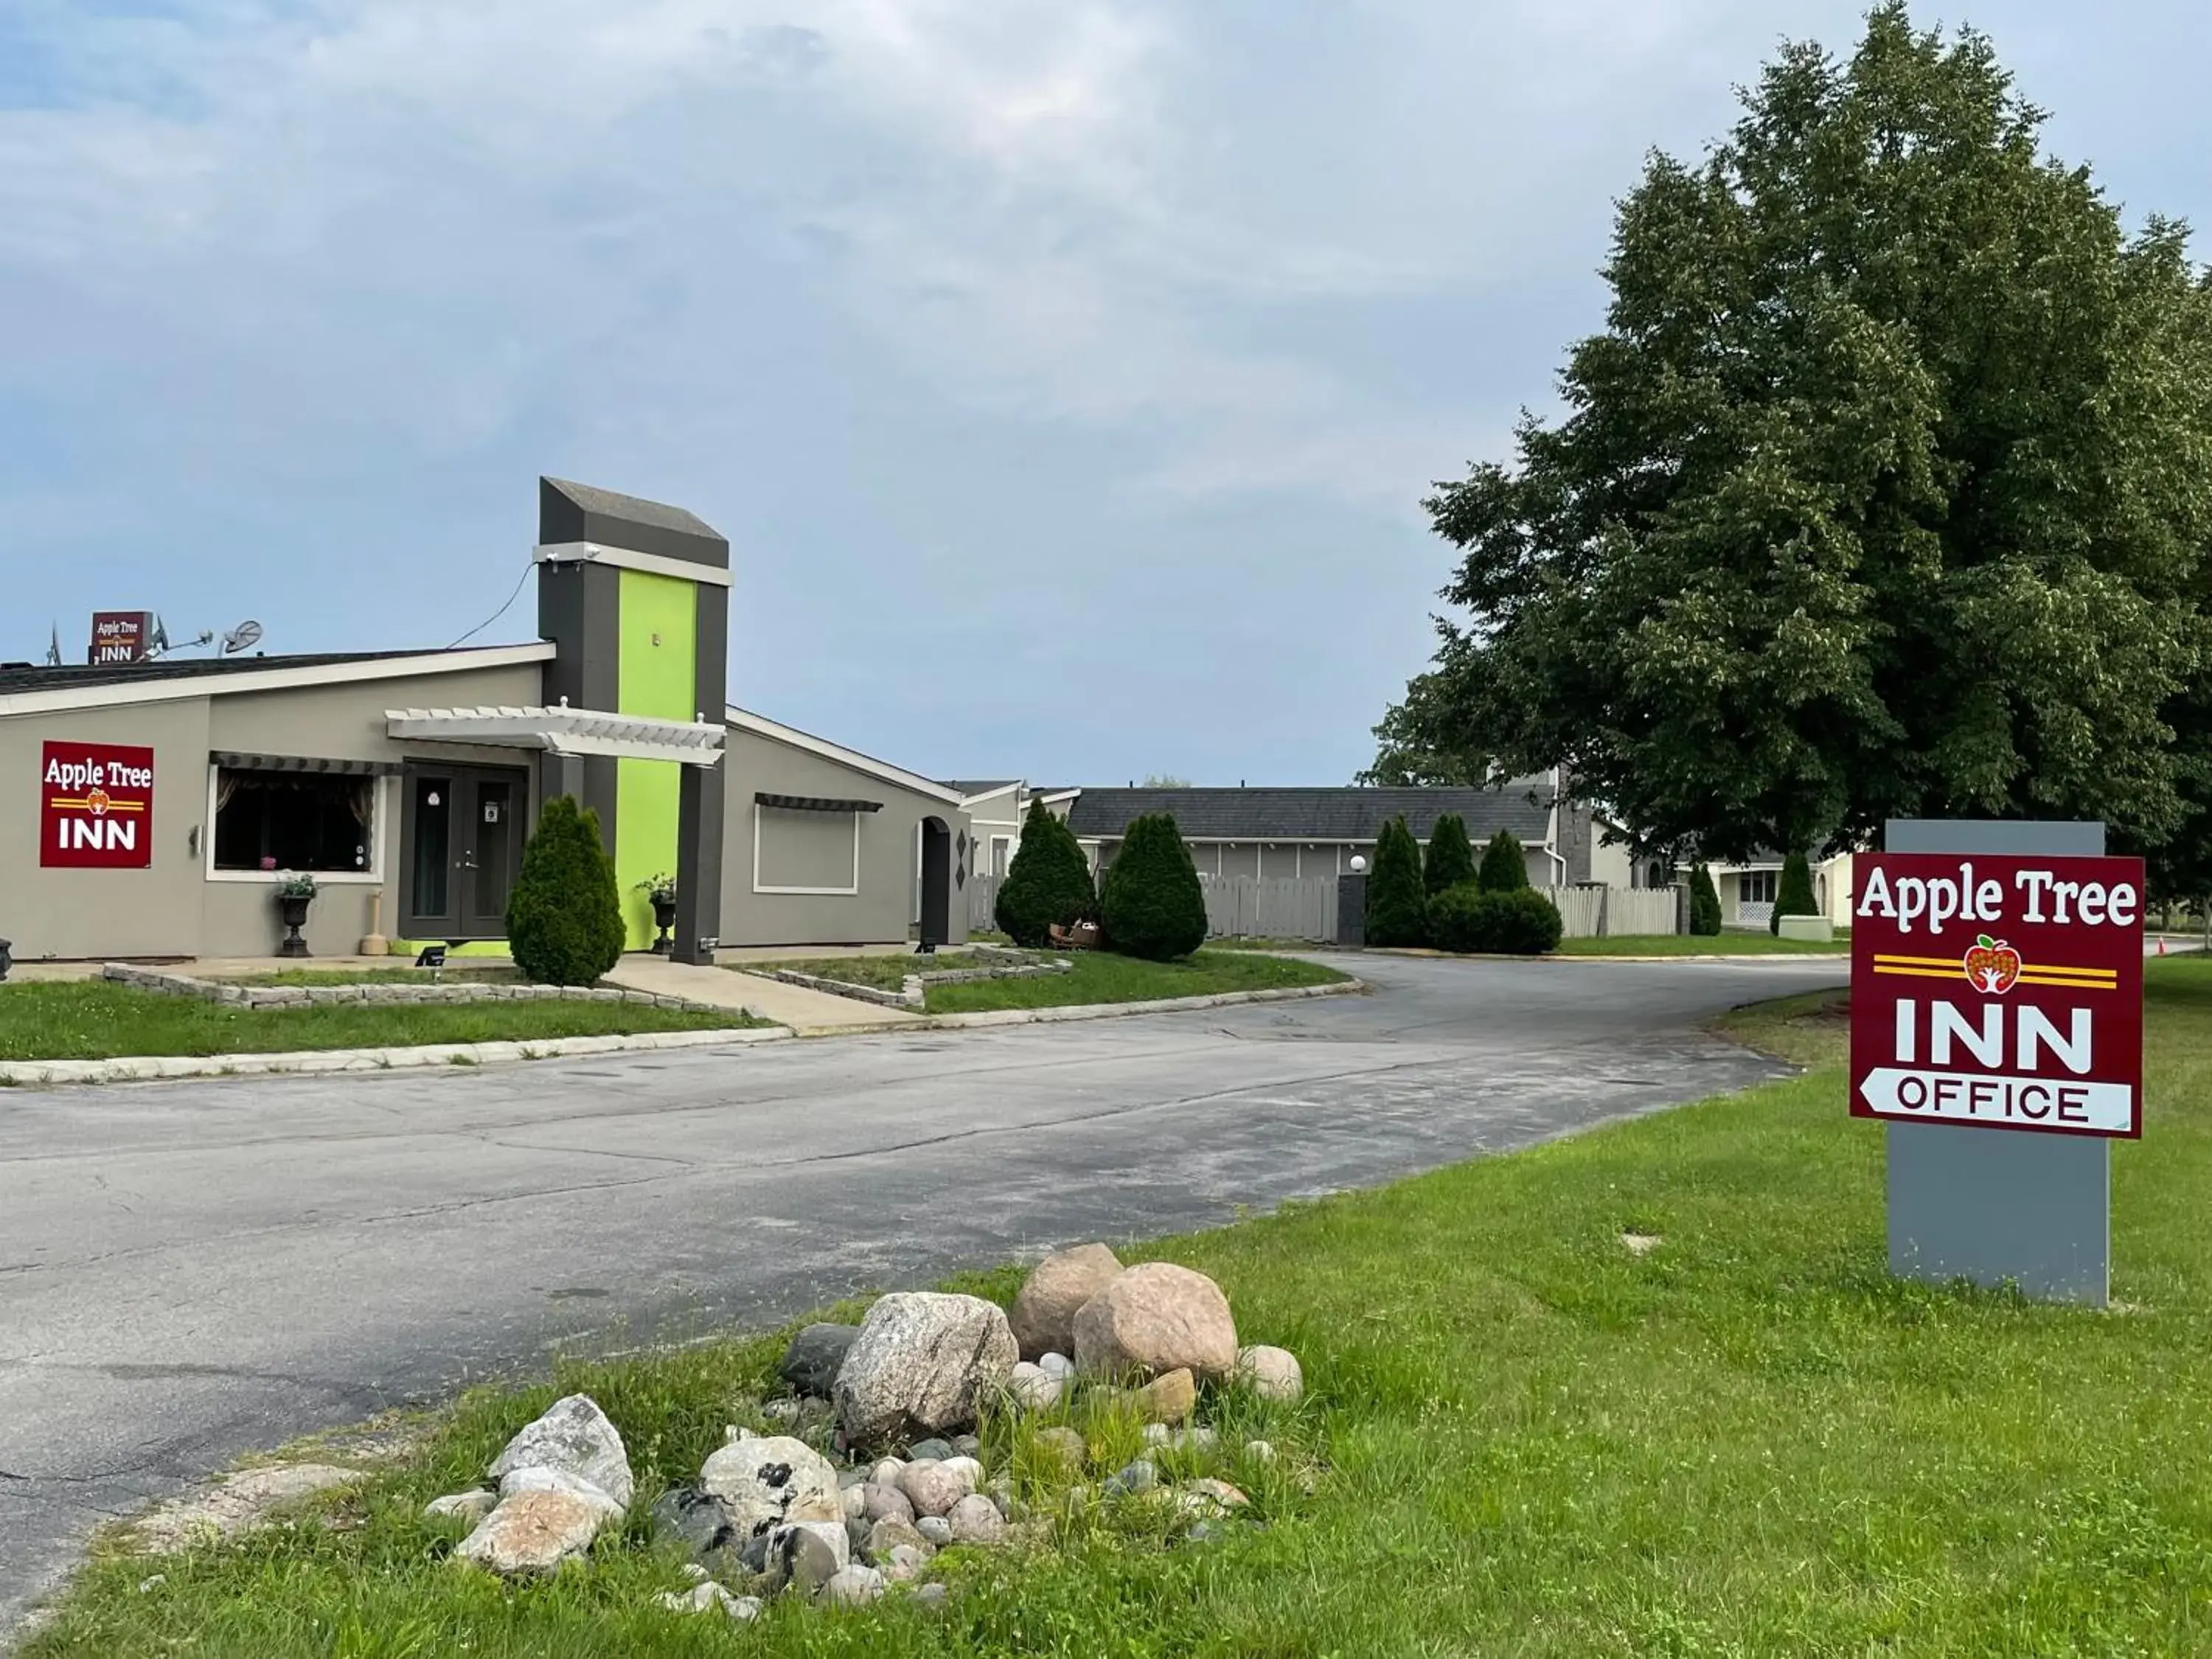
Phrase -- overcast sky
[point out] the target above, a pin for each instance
(1066, 373)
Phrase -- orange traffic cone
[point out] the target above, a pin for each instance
(2161, 947)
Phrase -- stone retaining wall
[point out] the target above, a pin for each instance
(260, 998)
(913, 993)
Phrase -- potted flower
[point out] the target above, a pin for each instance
(295, 891)
(660, 892)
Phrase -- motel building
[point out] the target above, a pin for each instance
(151, 809)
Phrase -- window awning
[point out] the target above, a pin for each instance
(231, 760)
(815, 803)
(564, 731)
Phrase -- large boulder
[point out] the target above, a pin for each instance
(811, 1363)
(1044, 1314)
(922, 1361)
(535, 1532)
(765, 1482)
(574, 1437)
(1156, 1318)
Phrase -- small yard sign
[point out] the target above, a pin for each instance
(1999, 993)
(95, 807)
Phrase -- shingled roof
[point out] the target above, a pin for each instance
(26, 677)
(1350, 814)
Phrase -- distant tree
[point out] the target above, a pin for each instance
(1397, 903)
(1793, 896)
(1152, 905)
(564, 919)
(1704, 902)
(1883, 492)
(1505, 866)
(1048, 884)
(1163, 780)
(1449, 860)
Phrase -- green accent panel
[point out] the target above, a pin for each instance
(657, 677)
(475, 947)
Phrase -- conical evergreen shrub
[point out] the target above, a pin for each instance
(1704, 902)
(1504, 870)
(1397, 903)
(1048, 884)
(564, 919)
(1449, 860)
(1794, 898)
(1152, 906)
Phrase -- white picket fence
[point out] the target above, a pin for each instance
(1304, 906)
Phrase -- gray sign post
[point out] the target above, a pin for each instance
(1993, 1204)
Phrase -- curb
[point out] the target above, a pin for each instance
(1096, 1010)
(164, 1068)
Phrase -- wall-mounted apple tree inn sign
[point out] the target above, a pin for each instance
(1999, 993)
(95, 806)
(1996, 1031)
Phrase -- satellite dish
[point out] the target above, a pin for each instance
(243, 637)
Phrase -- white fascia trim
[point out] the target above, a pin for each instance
(760, 727)
(562, 731)
(185, 688)
(627, 558)
(1057, 796)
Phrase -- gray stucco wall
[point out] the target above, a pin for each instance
(883, 910)
(174, 908)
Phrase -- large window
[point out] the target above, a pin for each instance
(319, 822)
(1758, 886)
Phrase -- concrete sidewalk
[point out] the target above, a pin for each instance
(810, 1013)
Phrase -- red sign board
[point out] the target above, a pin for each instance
(120, 636)
(1998, 992)
(95, 807)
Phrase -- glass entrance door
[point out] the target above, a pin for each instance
(462, 843)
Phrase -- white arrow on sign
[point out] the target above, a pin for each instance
(1999, 1103)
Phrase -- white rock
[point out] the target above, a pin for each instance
(1033, 1388)
(763, 1482)
(903, 1563)
(886, 1471)
(1157, 1434)
(806, 1554)
(699, 1598)
(468, 1506)
(923, 1360)
(856, 1502)
(572, 1435)
(935, 1529)
(1258, 1451)
(853, 1586)
(967, 1468)
(1271, 1373)
(1057, 1364)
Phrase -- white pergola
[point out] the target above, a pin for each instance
(573, 732)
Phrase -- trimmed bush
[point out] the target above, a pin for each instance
(1450, 857)
(564, 919)
(1458, 918)
(1521, 922)
(1704, 902)
(1397, 903)
(1794, 896)
(1048, 884)
(1152, 906)
(1504, 870)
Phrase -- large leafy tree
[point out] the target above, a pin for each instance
(1886, 490)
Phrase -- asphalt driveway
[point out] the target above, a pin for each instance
(189, 1270)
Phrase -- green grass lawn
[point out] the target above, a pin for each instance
(1102, 977)
(1528, 1440)
(1701, 945)
(99, 1021)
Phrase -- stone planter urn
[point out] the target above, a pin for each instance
(664, 918)
(293, 899)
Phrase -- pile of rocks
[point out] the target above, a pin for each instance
(896, 1399)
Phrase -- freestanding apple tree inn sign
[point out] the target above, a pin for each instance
(1997, 1015)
